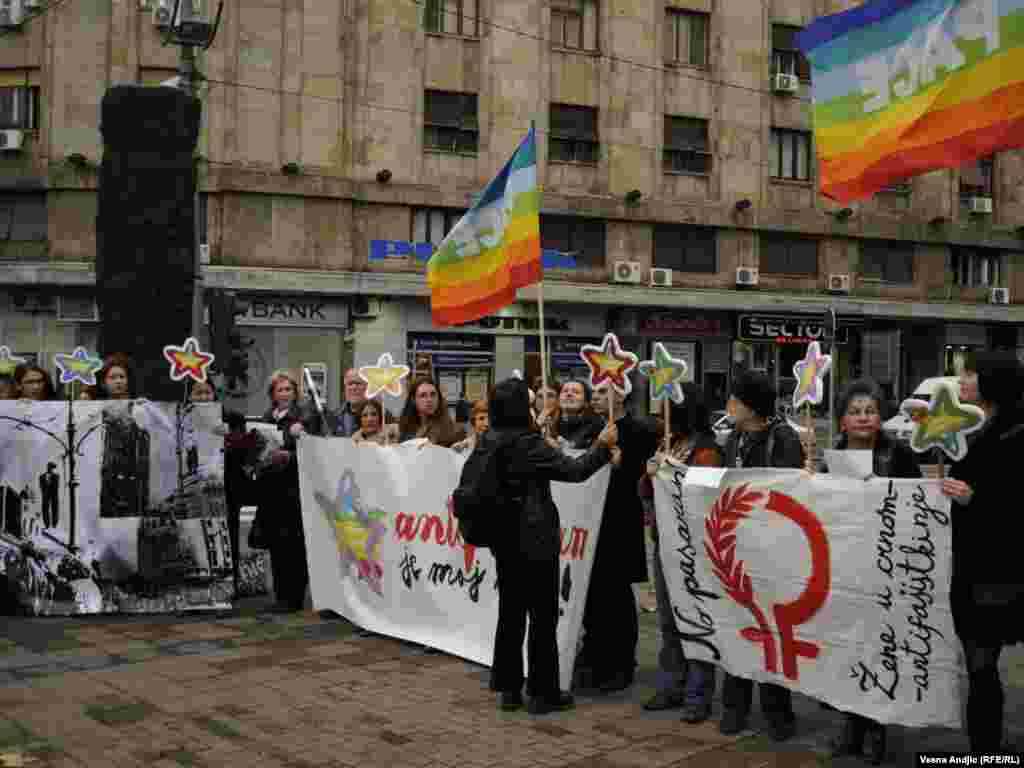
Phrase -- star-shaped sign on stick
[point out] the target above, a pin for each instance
(188, 361)
(665, 373)
(78, 366)
(9, 362)
(385, 376)
(944, 422)
(810, 376)
(609, 363)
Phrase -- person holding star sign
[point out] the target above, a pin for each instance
(115, 379)
(987, 592)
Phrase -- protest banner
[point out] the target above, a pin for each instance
(384, 549)
(114, 506)
(832, 586)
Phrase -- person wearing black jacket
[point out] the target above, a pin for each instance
(987, 591)
(577, 425)
(760, 439)
(528, 549)
(280, 511)
(860, 406)
(611, 628)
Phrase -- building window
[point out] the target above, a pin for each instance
(790, 154)
(683, 248)
(786, 255)
(686, 145)
(573, 134)
(432, 225)
(976, 179)
(450, 122)
(22, 216)
(976, 268)
(19, 107)
(890, 262)
(786, 57)
(686, 37)
(453, 17)
(578, 237)
(574, 24)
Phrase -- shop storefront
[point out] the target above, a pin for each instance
(461, 364)
(702, 340)
(290, 333)
(961, 340)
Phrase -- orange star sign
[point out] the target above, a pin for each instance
(188, 361)
(609, 363)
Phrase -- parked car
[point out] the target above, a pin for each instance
(722, 425)
(900, 427)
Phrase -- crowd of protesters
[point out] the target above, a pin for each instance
(565, 431)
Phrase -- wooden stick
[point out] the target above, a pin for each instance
(668, 426)
(543, 345)
(942, 465)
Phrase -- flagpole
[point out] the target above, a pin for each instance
(543, 345)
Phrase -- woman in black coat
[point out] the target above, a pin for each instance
(987, 593)
(527, 555)
(280, 511)
(860, 406)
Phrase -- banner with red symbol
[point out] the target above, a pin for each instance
(384, 549)
(831, 586)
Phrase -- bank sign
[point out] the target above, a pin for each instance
(295, 312)
(786, 329)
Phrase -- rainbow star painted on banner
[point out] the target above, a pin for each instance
(77, 366)
(609, 363)
(385, 376)
(9, 362)
(944, 422)
(188, 361)
(665, 373)
(810, 376)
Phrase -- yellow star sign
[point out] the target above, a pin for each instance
(942, 423)
(385, 376)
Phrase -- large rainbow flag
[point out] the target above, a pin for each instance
(494, 249)
(901, 87)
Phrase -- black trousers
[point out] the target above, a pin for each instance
(738, 693)
(611, 627)
(526, 588)
(984, 696)
(288, 562)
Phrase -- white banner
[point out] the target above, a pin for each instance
(834, 587)
(141, 484)
(384, 549)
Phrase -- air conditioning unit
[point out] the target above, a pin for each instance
(746, 276)
(34, 303)
(839, 283)
(162, 13)
(204, 254)
(365, 306)
(626, 272)
(10, 14)
(77, 309)
(979, 204)
(661, 277)
(11, 140)
(999, 296)
(783, 83)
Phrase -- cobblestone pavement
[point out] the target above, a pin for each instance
(251, 689)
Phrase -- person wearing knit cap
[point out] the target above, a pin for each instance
(759, 439)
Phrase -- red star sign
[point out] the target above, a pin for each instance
(609, 363)
(188, 361)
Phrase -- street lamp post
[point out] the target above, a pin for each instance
(190, 28)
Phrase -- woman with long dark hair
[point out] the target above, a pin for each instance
(425, 415)
(33, 383)
(987, 592)
(372, 427)
(116, 380)
(528, 547)
(681, 683)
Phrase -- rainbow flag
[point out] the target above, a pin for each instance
(494, 249)
(901, 87)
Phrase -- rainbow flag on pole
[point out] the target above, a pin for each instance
(494, 249)
(901, 87)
